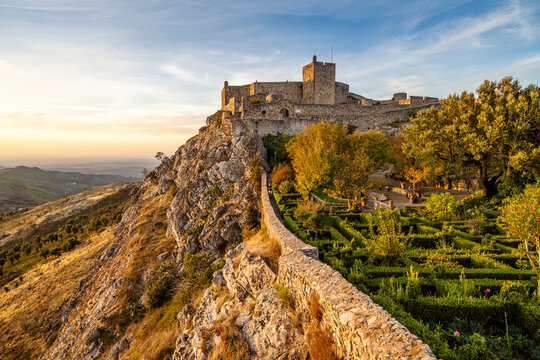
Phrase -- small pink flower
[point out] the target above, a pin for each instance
(488, 290)
(456, 333)
(435, 331)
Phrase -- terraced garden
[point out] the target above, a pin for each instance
(465, 287)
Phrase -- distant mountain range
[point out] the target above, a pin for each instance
(24, 186)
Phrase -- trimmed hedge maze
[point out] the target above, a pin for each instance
(469, 293)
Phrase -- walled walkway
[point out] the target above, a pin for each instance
(359, 328)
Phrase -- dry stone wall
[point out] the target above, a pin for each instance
(359, 328)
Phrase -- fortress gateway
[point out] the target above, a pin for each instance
(289, 106)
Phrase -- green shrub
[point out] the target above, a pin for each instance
(477, 226)
(255, 100)
(426, 241)
(440, 206)
(288, 197)
(313, 216)
(435, 340)
(385, 242)
(286, 186)
(158, 287)
(219, 119)
(293, 227)
(476, 349)
(337, 236)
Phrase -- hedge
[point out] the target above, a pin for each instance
(426, 229)
(355, 217)
(464, 235)
(454, 273)
(293, 227)
(429, 285)
(487, 312)
(336, 235)
(464, 243)
(288, 197)
(436, 342)
(444, 310)
(426, 241)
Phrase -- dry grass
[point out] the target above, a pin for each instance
(233, 346)
(28, 315)
(320, 344)
(266, 247)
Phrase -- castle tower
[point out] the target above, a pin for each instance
(319, 83)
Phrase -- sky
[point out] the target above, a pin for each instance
(115, 79)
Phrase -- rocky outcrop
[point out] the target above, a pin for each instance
(251, 309)
(247, 304)
(215, 197)
(207, 191)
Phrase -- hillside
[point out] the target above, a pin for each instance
(44, 253)
(23, 186)
(189, 272)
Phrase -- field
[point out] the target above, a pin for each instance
(465, 287)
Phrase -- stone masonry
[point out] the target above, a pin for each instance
(359, 328)
(317, 97)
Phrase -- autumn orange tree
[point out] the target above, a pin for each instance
(494, 133)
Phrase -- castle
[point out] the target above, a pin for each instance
(317, 97)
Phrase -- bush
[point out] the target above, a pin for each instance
(386, 242)
(426, 241)
(476, 349)
(255, 100)
(159, 286)
(313, 216)
(281, 172)
(477, 226)
(286, 187)
(336, 236)
(440, 206)
(219, 118)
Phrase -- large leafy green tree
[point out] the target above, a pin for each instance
(494, 133)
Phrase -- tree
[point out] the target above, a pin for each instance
(313, 216)
(276, 151)
(521, 214)
(494, 133)
(385, 241)
(328, 155)
(159, 156)
(281, 172)
(314, 155)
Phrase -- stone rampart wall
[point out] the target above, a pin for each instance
(359, 328)
(276, 230)
(267, 118)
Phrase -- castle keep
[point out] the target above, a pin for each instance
(295, 104)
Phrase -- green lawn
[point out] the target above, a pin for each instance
(328, 198)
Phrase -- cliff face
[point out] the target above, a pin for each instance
(215, 197)
(200, 200)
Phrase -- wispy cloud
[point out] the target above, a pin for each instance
(155, 68)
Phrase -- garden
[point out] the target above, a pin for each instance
(461, 274)
(465, 287)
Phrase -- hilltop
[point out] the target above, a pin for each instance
(23, 186)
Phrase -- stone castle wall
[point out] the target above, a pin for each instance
(267, 118)
(287, 90)
(359, 328)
